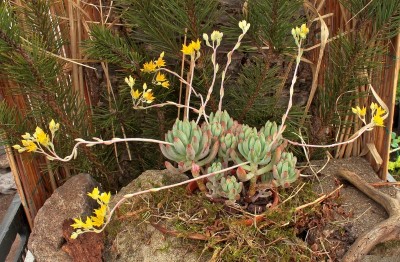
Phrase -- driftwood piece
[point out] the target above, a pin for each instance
(388, 229)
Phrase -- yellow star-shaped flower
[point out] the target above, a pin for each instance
(160, 77)
(95, 193)
(187, 50)
(135, 94)
(149, 67)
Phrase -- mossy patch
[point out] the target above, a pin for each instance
(219, 231)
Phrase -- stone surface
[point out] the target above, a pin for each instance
(87, 247)
(3, 159)
(68, 201)
(144, 243)
(7, 183)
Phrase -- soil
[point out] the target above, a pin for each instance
(360, 213)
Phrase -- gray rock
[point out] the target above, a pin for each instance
(7, 183)
(144, 243)
(4, 164)
(68, 201)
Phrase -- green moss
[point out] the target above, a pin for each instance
(194, 216)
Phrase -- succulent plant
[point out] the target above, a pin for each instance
(228, 143)
(190, 144)
(285, 172)
(231, 188)
(268, 164)
(254, 147)
(214, 182)
(223, 118)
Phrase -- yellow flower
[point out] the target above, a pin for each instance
(216, 36)
(41, 136)
(97, 221)
(78, 223)
(244, 26)
(29, 145)
(196, 45)
(380, 111)
(378, 120)
(303, 31)
(359, 111)
(53, 126)
(101, 212)
(95, 193)
(135, 94)
(105, 197)
(130, 81)
(19, 148)
(160, 77)
(160, 61)
(165, 84)
(149, 67)
(27, 136)
(88, 224)
(187, 50)
(148, 96)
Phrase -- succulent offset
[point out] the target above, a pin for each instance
(285, 171)
(224, 142)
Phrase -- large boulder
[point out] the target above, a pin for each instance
(68, 201)
(144, 243)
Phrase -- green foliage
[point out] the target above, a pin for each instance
(106, 46)
(272, 20)
(38, 76)
(394, 166)
(160, 25)
(380, 17)
(353, 55)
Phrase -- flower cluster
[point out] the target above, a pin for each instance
(39, 139)
(192, 48)
(152, 66)
(147, 95)
(377, 113)
(93, 223)
(300, 32)
(216, 37)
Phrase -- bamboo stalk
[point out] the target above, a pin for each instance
(16, 174)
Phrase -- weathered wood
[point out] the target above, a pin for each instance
(387, 230)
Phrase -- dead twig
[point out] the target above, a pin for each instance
(379, 184)
(319, 200)
(388, 229)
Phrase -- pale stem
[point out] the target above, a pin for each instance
(192, 64)
(186, 83)
(211, 88)
(104, 142)
(394, 150)
(354, 137)
(229, 56)
(168, 103)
